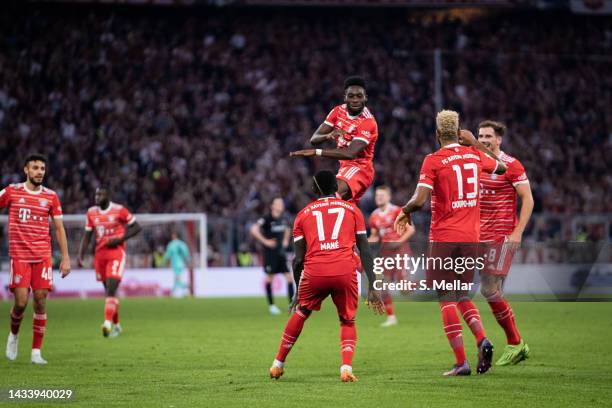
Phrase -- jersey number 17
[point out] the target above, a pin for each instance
(336, 230)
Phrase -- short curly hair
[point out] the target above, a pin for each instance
(447, 124)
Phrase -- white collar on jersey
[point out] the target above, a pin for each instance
(110, 205)
(452, 145)
(25, 187)
(386, 210)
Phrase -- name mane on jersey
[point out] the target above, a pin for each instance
(326, 246)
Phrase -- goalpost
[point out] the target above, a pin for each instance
(144, 274)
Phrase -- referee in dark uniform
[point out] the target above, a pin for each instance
(273, 231)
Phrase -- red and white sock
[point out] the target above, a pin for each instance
(348, 341)
(15, 321)
(38, 330)
(452, 328)
(290, 335)
(470, 314)
(505, 317)
(110, 308)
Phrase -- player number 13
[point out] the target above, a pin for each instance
(320, 229)
(470, 180)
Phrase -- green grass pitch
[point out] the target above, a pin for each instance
(216, 353)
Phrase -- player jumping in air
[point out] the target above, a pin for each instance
(354, 130)
(392, 244)
(502, 232)
(272, 231)
(451, 176)
(30, 205)
(324, 233)
(113, 224)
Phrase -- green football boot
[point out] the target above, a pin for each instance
(514, 354)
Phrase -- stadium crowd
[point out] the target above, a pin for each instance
(182, 111)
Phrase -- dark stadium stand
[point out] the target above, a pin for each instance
(196, 110)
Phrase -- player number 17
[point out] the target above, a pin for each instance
(320, 229)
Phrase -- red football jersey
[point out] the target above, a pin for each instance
(109, 223)
(361, 127)
(498, 199)
(453, 175)
(383, 222)
(329, 226)
(29, 212)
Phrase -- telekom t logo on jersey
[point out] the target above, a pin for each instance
(24, 214)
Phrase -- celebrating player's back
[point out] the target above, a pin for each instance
(451, 174)
(30, 205)
(354, 130)
(112, 224)
(325, 233)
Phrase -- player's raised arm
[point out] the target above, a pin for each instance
(60, 234)
(466, 138)
(324, 133)
(344, 153)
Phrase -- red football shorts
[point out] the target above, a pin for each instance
(452, 261)
(109, 267)
(343, 290)
(35, 275)
(357, 178)
(498, 256)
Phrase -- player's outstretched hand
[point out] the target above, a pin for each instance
(65, 266)
(113, 242)
(375, 302)
(303, 153)
(466, 138)
(401, 221)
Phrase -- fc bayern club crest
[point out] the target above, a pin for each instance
(43, 202)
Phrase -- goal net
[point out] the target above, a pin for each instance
(146, 273)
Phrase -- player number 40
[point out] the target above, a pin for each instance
(321, 230)
(470, 180)
(47, 273)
